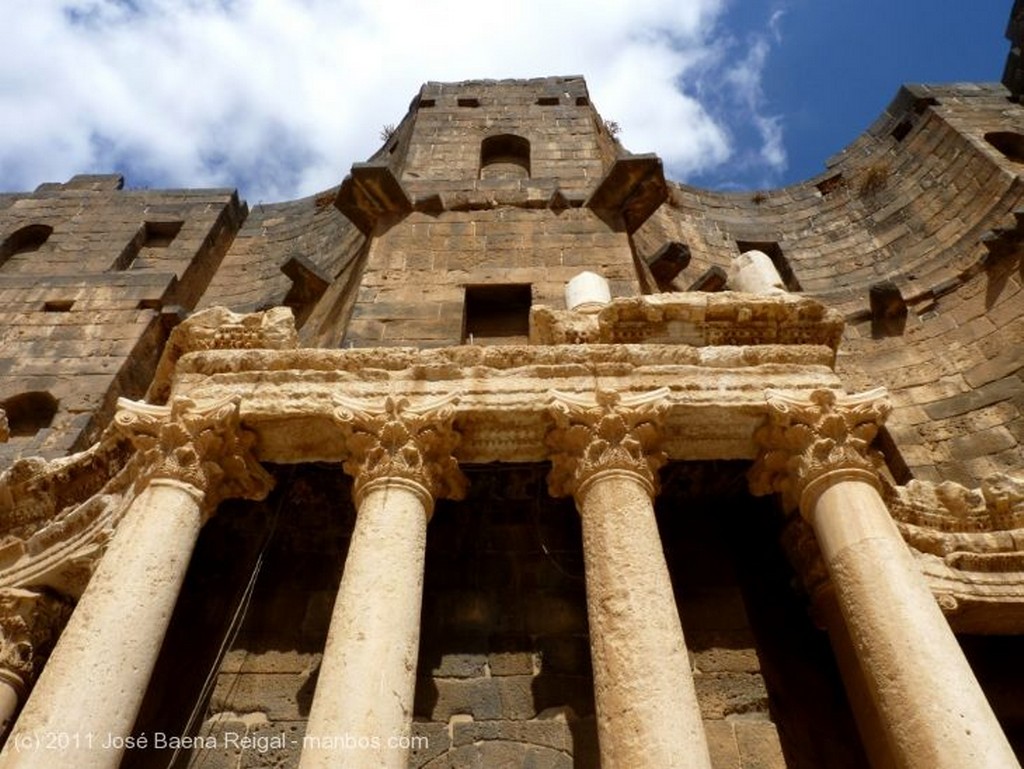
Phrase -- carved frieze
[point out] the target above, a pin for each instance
(979, 530)
(401, 440)
(217, 328)
(202, 445)
(694, 318)
(56, 515)
(610, 431)
(805, 439)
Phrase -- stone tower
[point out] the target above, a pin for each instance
(507, 451)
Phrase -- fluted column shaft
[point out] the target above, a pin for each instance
(362, 708)
(88, 695)
(931, 708)
(647, 711)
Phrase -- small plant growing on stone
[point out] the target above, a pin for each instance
(759, 198)
(874, 180)
(386, 132)
(612, 127)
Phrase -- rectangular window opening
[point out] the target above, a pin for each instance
(831, 184)
(899, 133)
(160, 234)
(548, 101)
(497, 314)
(469, 102)
(58, 305)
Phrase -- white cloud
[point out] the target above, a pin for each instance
(280, 97)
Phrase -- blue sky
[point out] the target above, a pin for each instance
(835, 66)
(279, 97)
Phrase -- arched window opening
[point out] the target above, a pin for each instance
(28, 413)
(505, 156)
(1010, 143)
(24, 240)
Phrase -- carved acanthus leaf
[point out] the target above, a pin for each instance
(805, 439)
(203, 445)
(801, 548)
(608, 432)
(30, 622)
(401, 440)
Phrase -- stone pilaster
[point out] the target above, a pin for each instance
(605, 454)
(400, 457)
(928, 707)
(191, 456)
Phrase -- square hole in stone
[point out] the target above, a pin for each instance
(497, 314)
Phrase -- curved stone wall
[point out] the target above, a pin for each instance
(923, 201)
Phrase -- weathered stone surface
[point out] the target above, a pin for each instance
(97, 283)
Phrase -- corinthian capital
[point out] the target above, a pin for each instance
(803, 441)
(201, 445)
(30, 622)
(399, 440)
(608, 432)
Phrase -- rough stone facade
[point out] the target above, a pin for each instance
(368, 471)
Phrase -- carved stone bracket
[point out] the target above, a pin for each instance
(30, 622)
(400, 440)
(806, 440)
(609, 432)
(201, 445)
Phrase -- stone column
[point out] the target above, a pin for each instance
(84, 705)
(401, 460)
(932, 710)
(606, 457)
(30, 622)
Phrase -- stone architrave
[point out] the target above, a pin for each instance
(605, 455)
(30, 622)
(192, 456)
(815, 452)
(400, 457)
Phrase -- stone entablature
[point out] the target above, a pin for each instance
(969, 543)
(59, 515)
(715, 398)
(715, 380)
(698, 319)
